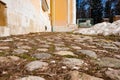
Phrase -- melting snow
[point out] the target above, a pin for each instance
(104, 28)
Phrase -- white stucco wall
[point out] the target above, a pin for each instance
(24, 17)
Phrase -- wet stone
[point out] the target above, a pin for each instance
(72, 62)
(36, 65)
(89, 53)
(20, 51)
(108, 62)
(42, 56)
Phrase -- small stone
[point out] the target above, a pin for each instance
(63, 53)
(88, 77)
(23, 39)
(114, 48)
(53, 62)
(36, 65)
(1, 51)
(110, 46)
(91, 46)
(42, 56)
(117, 44)
(4, 47)
(4, 59)
(100, 50)
(7, 40)
(75, 75)
(76, 47)
(20, 51)
(113, 74)
(61, 48)
(9, 59)
(4, 72)
(14, 58)
(42, 49)
(60, 45)
(89, 53)
(44, 46)
(76, 68)
(117, 56)
(110, 69)
(108, 62)
(31, 78)
(73, 62)
(64, 67)
(24, 47)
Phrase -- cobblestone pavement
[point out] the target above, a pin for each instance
(59, 56)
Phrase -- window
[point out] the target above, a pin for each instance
(3, 20)
(45, 5)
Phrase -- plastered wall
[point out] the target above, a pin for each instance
(63, 15)
(25, 16)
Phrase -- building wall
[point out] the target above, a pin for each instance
(63, 15)
(25, 16)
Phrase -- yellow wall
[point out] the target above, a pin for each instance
(3, 18)
(61, 12)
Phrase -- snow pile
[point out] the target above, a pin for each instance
(104, 28)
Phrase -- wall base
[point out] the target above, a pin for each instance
(68, 28)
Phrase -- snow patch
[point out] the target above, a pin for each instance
(104, 28)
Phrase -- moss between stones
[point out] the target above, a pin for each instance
(28, 57)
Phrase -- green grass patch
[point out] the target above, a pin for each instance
(2, 54)
(28, 57)
(52, 48)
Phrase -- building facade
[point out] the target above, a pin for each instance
(63, 14)
(22, 17)
(28, 16)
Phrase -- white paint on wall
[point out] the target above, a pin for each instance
(23, 17)
(68, 11)
(74, 11)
